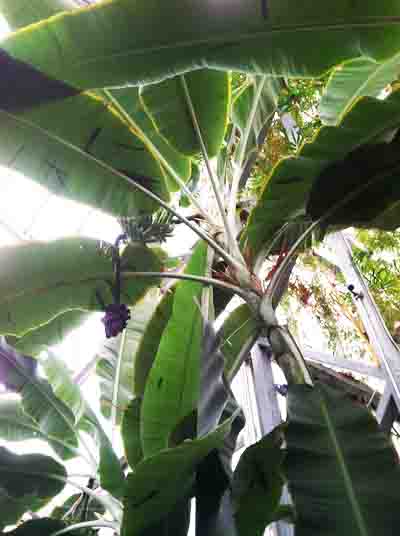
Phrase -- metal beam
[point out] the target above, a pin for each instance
(264, 389)
(343, 363)
(387, 412)
(379, 336)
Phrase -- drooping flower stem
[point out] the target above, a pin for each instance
(198, 279)
(87, 524)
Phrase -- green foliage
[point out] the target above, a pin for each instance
(172, 387)
(67, 274)
(165, 380)
(236, 334)
(27, 482)
(377, 259)
(167, 108)
(148, 347)
(317, 171)
(341, 469)
(87, 123)
(237, 39)
(117, 366)
(130, 432)
(354, 79)
(54, 418)
(49, 334)
(163, 479)
(257, 485)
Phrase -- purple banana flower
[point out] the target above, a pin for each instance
(115, 319)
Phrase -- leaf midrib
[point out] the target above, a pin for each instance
(101, 277)
(248, 36)
(348, 485)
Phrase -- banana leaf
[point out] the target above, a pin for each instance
(172, 388)
(109, 44)
(26, 483)
(40, 280)
(288, 188)
(167, 108)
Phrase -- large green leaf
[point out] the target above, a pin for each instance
(84, 419)
(107, 138)
(26, 483)
(352, 80)
(214, 512)
(172, 387)
(111, 475)
(343, 472)
(128, 99)
(163, 479)
(257, 485)
(60, 379)
(287, 189)
(148, 347)
(40, 280)
(116, 367)
(168, 109)
(236, 334)
(86, 122)
(15, 424)
(49, 334)
(111, 44)
(42, 415)
(176, 523)
(130, 431)
(54, 418)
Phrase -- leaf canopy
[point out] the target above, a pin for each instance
(257, 485)
(166, 106)
(163, 479)
(288, 187)
(148, 346)
(108, 44)
(172, 387)
(342, 471)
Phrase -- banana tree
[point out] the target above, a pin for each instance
(117, 105)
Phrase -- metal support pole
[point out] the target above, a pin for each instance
(379, 336)
(268, 409)
(344, 363)
(387, 412)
